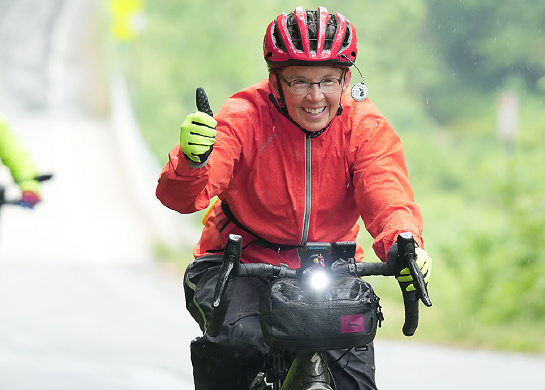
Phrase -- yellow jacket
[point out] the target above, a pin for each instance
(16, 158)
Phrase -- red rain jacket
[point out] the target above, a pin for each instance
(290, 189)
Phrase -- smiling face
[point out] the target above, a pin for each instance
(315, 109)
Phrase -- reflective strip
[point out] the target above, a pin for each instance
(191, 285)
(203, 320)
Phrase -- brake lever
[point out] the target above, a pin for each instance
(406, 248)
(228, 270)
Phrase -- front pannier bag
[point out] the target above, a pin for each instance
(294, 317)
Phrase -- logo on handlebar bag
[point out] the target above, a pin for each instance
(352, 323)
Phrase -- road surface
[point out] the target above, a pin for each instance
(82, 303)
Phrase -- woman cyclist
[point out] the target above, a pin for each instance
(293, 159)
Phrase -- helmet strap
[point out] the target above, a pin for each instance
(281, 100)
(284, 111)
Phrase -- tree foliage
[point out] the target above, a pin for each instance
(487, 42)
(485, 46)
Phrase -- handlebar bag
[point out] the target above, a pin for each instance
(294, 317)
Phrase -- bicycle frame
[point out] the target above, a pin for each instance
(308, 367)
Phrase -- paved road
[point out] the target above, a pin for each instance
(82, 305)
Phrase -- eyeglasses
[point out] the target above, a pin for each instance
(302, 87)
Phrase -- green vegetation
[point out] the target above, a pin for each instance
(437, 70)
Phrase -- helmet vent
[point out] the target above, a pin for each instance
(312, 26)
(347, 38)
(331, 29)
(277, 39)
(293, 31)
(313, 29)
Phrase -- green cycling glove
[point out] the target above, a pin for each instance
(424, 262)
(197, 136)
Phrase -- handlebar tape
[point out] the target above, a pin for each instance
(410, 301)
(376, 268)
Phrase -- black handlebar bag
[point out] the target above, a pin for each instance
(295, 317)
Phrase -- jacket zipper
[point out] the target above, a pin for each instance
(308, 189)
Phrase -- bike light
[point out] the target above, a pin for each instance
(318, 279)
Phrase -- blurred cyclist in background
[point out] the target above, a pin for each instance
(14, 156)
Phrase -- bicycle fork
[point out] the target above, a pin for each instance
(308, 371)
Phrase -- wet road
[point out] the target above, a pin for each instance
(82, 305)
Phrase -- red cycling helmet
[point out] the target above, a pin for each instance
(310, 38)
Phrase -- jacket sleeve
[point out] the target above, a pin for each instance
(383, 192)
(15, 156)
(182, 185)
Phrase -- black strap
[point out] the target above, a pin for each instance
(260, 241)
(284, 111)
